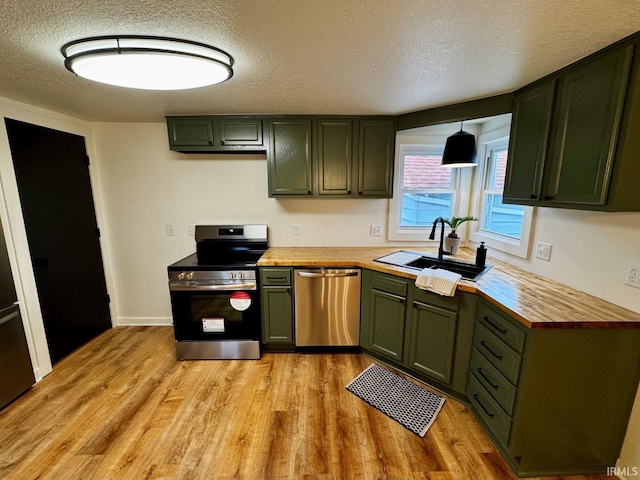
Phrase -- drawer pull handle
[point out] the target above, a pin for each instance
(276, 278)
(491, 415)
(501, 330)
(499, 357)
(495, 387)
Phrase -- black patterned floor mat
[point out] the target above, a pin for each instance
(411, 406)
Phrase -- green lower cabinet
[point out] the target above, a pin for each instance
(386, 325)
(277, 308)
(565, 409)
(432, 341)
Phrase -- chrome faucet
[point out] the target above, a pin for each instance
(441, 250)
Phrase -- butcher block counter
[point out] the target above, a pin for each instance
(536, 302)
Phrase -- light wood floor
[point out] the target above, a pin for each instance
(122, 407)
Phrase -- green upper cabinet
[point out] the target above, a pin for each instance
(240, 132)
(334, 153)
(376, 151)
(190, 132)
(567, 148)
(289, 156)
(531, 121)
(351, 157)
(215, 134)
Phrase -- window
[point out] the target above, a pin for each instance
(425, 191)
(497, 217)
(501, 226)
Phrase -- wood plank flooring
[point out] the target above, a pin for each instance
(122, 407)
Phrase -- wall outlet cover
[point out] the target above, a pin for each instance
(633, 275)
(170, 229)
(543, 251)
(296, 230)
(376, 230)
(192, 229)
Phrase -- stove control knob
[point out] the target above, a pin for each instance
(232, 275)
(181, 276)
(190, 275)
(241, 274)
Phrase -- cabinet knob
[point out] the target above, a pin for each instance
(221, 142)
(533, 197)
(548, 197)
(210, 142)
(359, 193)
(348, 192)
(308, 192)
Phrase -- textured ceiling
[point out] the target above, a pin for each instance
(309, 56)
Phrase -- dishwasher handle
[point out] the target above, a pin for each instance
(349, 273)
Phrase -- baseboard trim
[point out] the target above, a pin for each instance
(144, 321)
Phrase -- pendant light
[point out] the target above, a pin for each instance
(460, 150)
(146, 62)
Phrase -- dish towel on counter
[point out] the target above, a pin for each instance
(442, 282)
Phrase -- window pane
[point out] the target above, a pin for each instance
(497, 170)
(424, 171)
(421, 209)
(500, 218)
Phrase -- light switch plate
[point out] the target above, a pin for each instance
(296, 230)
(376, 230)
(543, 251)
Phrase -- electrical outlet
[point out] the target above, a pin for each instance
(633, 275)
(543, 251)
(192, 229)
(296, 230)
(170, 229)
(376, 230)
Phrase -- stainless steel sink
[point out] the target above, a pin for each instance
(418, 261)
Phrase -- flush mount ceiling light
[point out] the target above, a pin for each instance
(149, 63)
(460, 150)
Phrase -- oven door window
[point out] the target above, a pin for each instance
(218, 316)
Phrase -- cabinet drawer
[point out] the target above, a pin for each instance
(450, 303)
(389, 284)
(499, 354)
(493, 381)
(494, 417)
(275, 276)
(501, 326)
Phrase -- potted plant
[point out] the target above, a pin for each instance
(452, 241)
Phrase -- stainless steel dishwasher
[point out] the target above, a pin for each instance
(327, 307)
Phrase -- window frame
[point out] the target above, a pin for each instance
(513, 246)
(417, 233)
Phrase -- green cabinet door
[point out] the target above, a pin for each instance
(591, 101)
(528, 143)
(277, 315)
(240, 132)
(432, 341)
(185, 131)
(376, 150)
(334, 156)
(386, 324)
(289, 157)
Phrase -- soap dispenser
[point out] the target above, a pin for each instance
(481, 255)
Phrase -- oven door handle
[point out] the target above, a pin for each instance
(208, 288)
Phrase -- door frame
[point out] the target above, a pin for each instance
(15, 230)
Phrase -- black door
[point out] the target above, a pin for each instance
(57, 203)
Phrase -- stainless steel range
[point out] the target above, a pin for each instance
(214, 294)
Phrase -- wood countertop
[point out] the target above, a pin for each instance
(535, 301)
